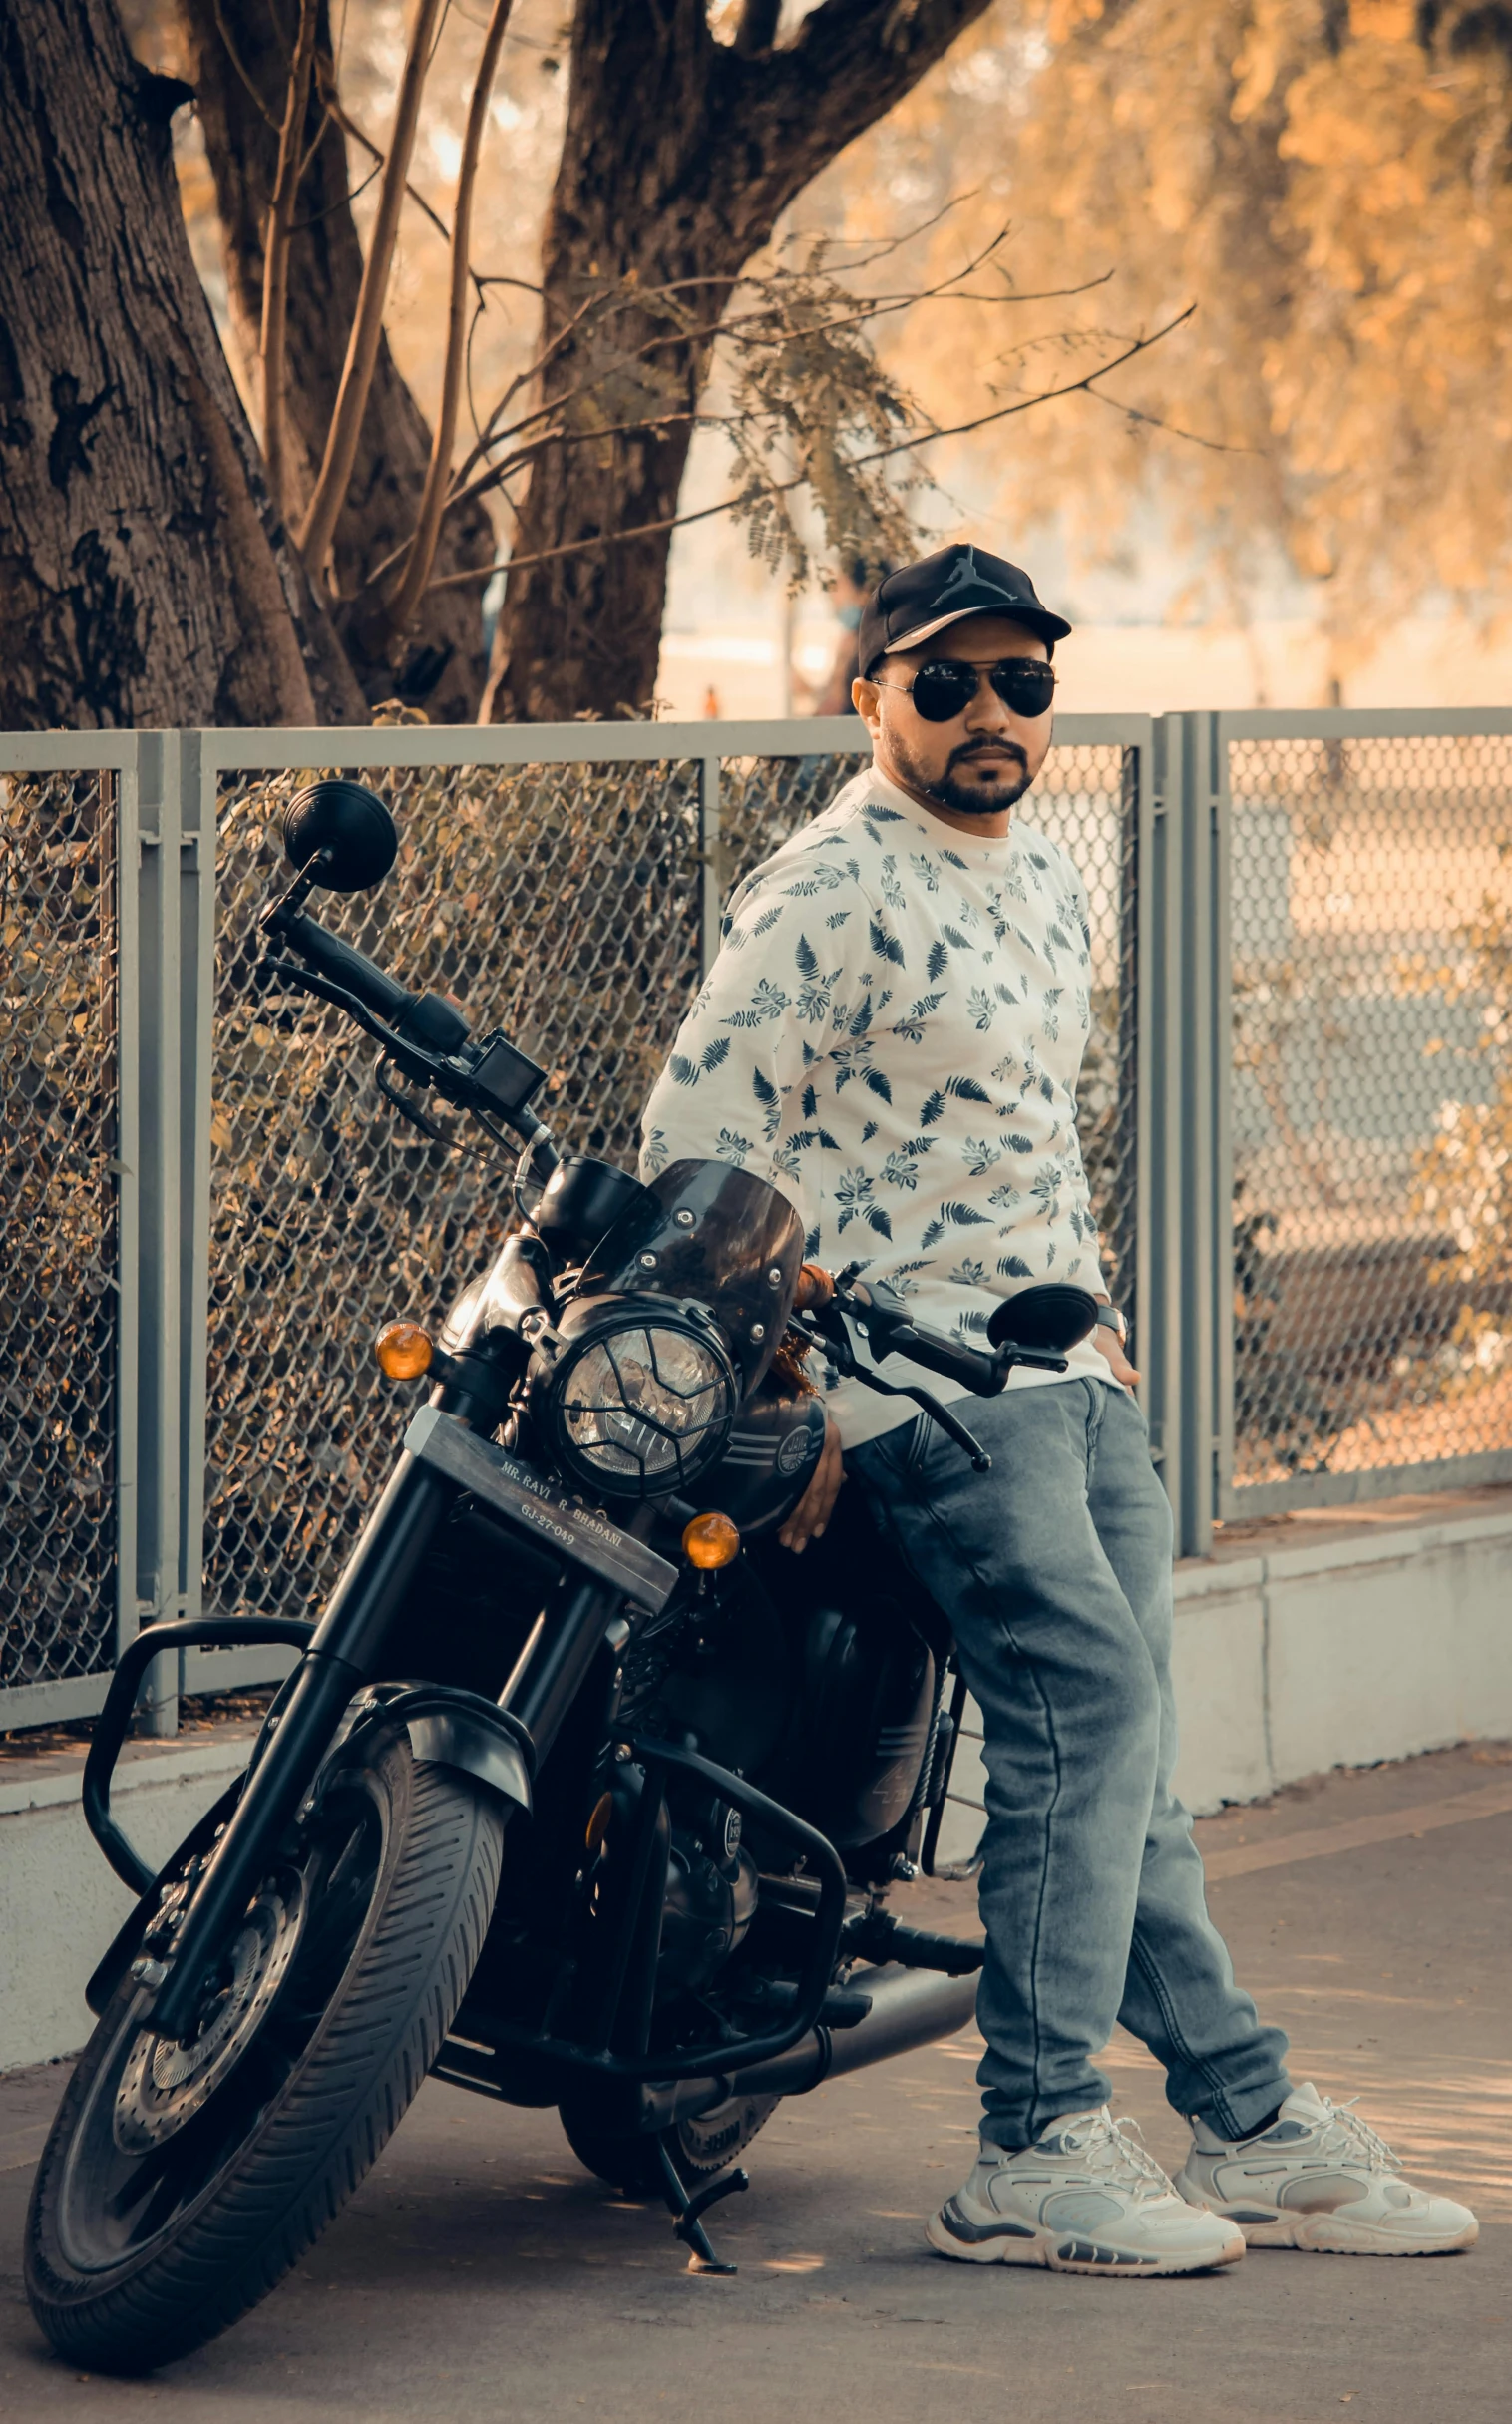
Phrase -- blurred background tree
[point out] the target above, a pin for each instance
(1331, 183)
(1325, 180)
(687, 132)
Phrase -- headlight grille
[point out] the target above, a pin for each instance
(644, 1408)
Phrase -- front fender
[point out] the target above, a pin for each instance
(456, 1728)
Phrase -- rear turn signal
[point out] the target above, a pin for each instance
(710, 1541)
(404, 1350)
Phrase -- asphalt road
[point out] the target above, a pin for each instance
(482, 2277)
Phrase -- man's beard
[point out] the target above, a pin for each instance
(967, 799)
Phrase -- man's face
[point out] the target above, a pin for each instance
(975, 768)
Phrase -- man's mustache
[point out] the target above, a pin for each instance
(983, 748)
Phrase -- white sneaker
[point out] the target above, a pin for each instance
(1087, 2196)
(1320, 2179)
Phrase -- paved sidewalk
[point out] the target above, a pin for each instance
(480, 2274)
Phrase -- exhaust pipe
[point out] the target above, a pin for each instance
(910, 2008)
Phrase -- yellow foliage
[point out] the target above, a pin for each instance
(1333, 192)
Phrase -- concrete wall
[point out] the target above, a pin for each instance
(59, 1903)
(1316, 1642)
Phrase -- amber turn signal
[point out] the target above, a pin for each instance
(404, 1350)
(710, 1541)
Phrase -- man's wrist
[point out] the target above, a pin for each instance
(1110, 1317)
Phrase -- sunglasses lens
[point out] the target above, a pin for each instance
(1025, 685)
(944, 691)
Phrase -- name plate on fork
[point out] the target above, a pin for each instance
(515, 1490)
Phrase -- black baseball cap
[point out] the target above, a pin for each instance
(915, 603)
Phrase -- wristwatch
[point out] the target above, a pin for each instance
(1112, 1319)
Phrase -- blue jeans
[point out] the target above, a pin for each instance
(1055, 1571)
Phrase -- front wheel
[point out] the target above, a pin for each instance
(179, 2183)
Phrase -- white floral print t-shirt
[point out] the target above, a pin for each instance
(892, 1035)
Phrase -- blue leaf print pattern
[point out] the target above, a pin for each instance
(767, 1001)
(771, 1104)
(901, 1170)
(913, 1174)
(887, 944)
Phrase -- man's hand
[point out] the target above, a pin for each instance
(1109, 1342)
(817, 1505)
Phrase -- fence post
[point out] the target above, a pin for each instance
(1223, 1119)
(1187, 993)
(127, 1148)
(197, 897)
(1159, 1346)
(1198, 1140)
(155, 1277)
(710, 865)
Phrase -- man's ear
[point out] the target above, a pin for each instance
(867, 702)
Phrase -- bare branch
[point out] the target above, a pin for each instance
(293, 159)
(319, 526)
(1172, 429)
(235, 56)
(779, 488)
(433, 499)
(337, 108)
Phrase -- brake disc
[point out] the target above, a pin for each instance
(164, 2085)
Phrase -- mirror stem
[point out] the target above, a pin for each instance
(281, 913)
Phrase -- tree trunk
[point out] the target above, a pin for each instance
(144, 576)
(679, 155)
(440, 664)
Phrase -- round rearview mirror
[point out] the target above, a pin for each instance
(350, 824)
(1049, 1318)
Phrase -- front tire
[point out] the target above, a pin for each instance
(179, 2185)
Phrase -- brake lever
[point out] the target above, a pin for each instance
(838, 1346)
(420, 1067)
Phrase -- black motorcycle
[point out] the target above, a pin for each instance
(584, 1792)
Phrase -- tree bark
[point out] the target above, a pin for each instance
(679, 155)
(440, 663)
(145, 576)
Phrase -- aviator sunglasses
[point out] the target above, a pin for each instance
(947, 687)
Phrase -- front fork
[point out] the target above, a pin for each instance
(344, 1655)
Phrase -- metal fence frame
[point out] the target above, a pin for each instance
(1175, 950)
(1201, 802)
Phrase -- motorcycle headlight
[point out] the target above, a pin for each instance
(639, 1401)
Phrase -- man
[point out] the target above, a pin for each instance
(892, 1035)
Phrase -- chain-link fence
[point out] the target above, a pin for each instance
(59, 1294)
(564, 904)
(1364, 1101)
(1372, 1107)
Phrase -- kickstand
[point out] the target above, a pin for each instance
(688, 2212)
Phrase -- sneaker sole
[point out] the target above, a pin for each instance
(1060, 2251)
(1325, 2234)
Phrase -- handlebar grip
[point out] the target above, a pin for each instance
(353, 969)
(816, 1289)
(973, 1369)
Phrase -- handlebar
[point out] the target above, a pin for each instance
(425, 1020)
(882, 1319)
(425, 1037)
